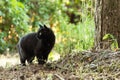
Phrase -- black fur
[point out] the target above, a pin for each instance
(37, 44)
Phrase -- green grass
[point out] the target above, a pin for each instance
(75, 37)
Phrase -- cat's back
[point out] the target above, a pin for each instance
(28, 40)
(29, 37)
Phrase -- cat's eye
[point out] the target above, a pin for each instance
(40, 33)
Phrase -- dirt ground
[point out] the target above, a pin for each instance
(86, 65)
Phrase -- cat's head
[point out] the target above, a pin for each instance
(44, 32)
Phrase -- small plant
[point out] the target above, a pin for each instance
(109, 38)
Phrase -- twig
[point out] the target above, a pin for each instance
(59, 77)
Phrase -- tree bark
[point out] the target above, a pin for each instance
(107, 17)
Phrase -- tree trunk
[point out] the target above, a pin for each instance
(107, 20)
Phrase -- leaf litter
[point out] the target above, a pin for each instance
(86, 65)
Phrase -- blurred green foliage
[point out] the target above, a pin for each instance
(13, 21)
(71, 20)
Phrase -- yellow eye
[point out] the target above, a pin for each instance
(40, 33)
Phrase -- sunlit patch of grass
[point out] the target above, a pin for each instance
(53, 56)
(8, 60)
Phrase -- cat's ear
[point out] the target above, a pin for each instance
(45, 26)
(40, 26)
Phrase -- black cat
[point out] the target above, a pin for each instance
(37, 44)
